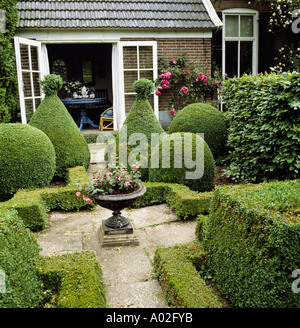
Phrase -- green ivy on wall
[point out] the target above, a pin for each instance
(8, 77)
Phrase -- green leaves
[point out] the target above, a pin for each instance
(264, 126)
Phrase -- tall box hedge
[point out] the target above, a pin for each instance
(252, 239)
(264, 126)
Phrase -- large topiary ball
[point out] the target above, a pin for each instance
(54, 120)
(188, 160)
(203, 118)
(27, 159)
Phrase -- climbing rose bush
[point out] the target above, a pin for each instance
(185, 83)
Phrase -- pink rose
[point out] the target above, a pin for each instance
(78, 193)
(158, 93)
(163, 76)
(127, 183)
(173, 61)
(214, 83)
(172, 112)
(184, 90)
(165, 82)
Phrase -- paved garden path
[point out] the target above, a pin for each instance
(127, 270)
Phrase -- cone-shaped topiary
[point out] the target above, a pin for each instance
(53, 118)
(27, 159)
(140, 120)
(183, 158)
(203, 118)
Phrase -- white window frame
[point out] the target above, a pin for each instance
(30, 43)
(240, 12)
(122, 92)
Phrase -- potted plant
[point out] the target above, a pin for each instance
(115, 188)
(73, 88)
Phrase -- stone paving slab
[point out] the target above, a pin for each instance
(127, 270)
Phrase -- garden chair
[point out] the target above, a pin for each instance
(106, 120)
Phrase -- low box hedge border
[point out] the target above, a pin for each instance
(73, 280)
(182, 285)
(33, 205)
(185, 202)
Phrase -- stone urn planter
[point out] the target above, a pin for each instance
(116, 203)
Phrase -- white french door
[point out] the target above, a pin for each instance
(28, 60)
(137, 60)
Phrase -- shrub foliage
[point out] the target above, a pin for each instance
(206, 119)
(252, 239)
(54, 120)
(27, 158)
(179, 161)
(18, 260)
(8, 78)
(264, 131)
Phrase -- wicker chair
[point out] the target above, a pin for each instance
(106, 120)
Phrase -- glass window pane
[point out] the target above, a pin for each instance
(246, 57)
(231, 26)
(24, 56)
(29, 108)
(87, 72)
(246, 26)
(129, 78)
(146, 75)
(146, 57)
(27, 84)
(231, 60)
(34, 58)
(130, 57)
(129, 100)
(36, 86)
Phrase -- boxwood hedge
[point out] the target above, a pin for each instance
(18, 262)
(252, 239)
(27, 159)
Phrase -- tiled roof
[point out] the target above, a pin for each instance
(153, 14)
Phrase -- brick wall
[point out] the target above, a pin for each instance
(196, 50)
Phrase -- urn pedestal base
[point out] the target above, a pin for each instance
(110, 237)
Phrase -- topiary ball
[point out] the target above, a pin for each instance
(54, 120)
(27, 159)
(203, 118)
(189, 161)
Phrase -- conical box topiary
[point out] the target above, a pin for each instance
(54, 120)
(141, 121)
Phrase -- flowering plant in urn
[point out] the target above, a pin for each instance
(114, 179)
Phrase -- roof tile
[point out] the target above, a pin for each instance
(172, 14)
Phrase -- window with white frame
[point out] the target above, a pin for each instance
(240, 42)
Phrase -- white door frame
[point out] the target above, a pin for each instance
(30, 43)
(121, 86)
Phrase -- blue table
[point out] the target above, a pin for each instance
(84, 119)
